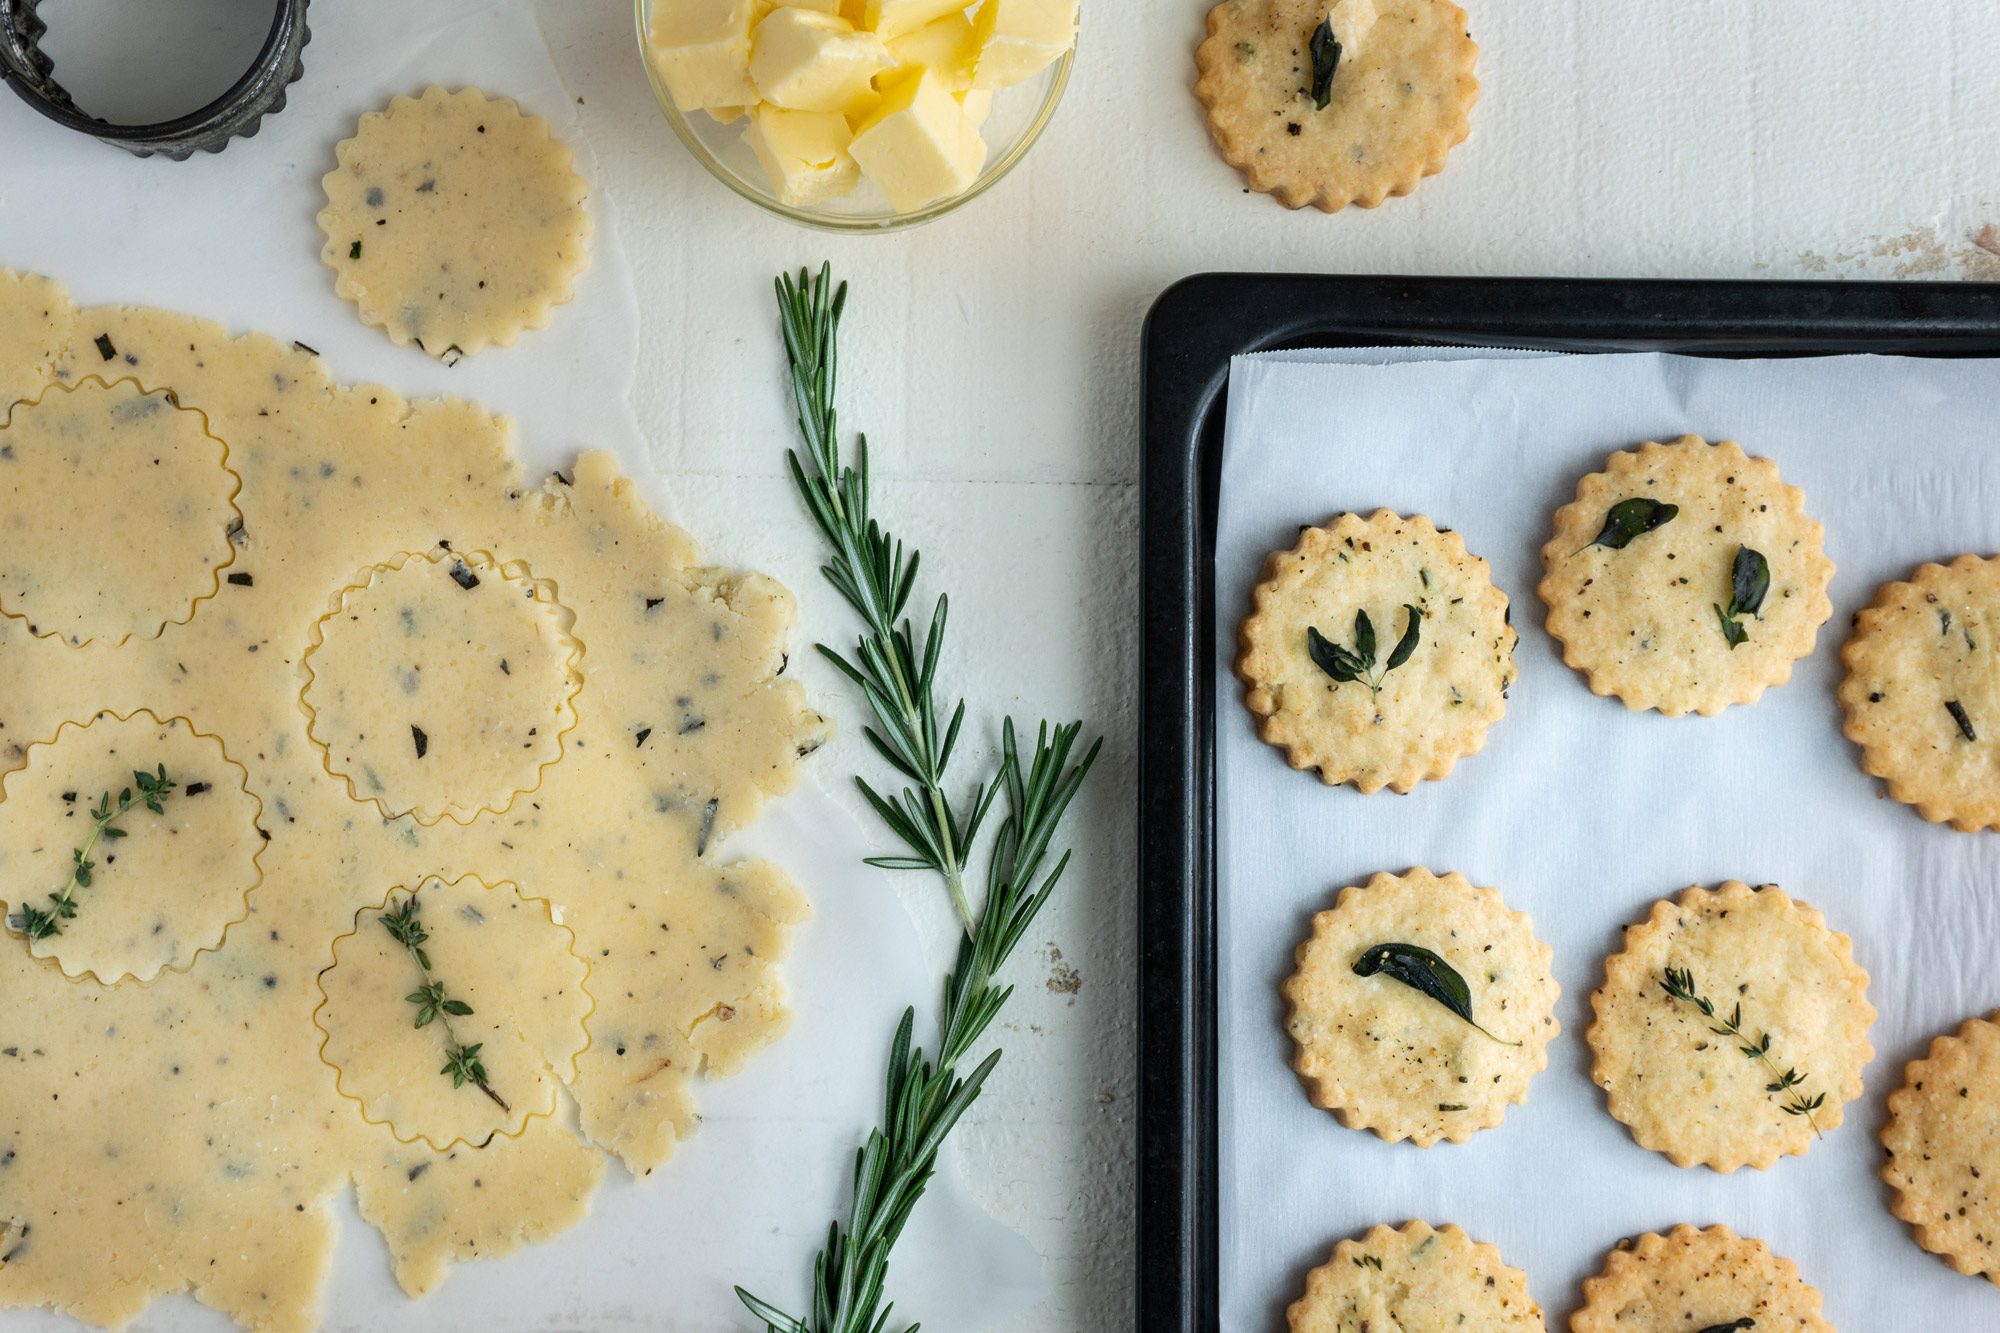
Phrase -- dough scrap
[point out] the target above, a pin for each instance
(454, 222)
(1382, 1055)
(1757, 955)
(1413, 1277)
(184, 1134)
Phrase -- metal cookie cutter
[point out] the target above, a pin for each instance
(260, 92)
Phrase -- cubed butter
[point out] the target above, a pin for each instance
(978, 104)
(804, 153)
(1018, 38)
(701, 49)
(892, 18)
(725, 114)
(918, 145)
(803, 60)
(946, 47)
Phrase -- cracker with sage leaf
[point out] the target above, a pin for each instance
(1377, 651)
(1336, 104)
(1921, 694)
(1706, 1281)
(1732, 1028)
(454, 222)
(1943, 1141)
(1421, 1008)
(1685, 577)
(1414, 1277)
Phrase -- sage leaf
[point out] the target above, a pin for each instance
(1331, 658)
(1732, 1326)
(1633, 518)
(1735, 633)
(1364, 638)
(1749, 580)
(1422, 970)
(1325, 52)
(1408, 643)
(1952, 706)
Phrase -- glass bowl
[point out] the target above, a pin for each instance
(1018, 117)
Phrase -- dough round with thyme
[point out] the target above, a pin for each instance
(1689, 1279)
(1920, 695)
(1375, 1042)
(1943, 1140)
(1414, 1277)
(1775, 981)
(1323, 651)
(454, 221)
(1685, 577)
(1399, 100)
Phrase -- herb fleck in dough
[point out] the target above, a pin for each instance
(1418, 1279)
(184, 1134)
(1922, 691)
(1691, 1093)
(449, 648)
(1430, 711)
(1943, 1141)
(454, 221)
(114, 502)
(1383, 1056)
(1641, 622)
(1401, 96)
(157, 896)
(1690, 1280)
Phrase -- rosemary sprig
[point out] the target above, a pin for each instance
(1679, 985)
(154, 790)
(876, 575)
(461, 1062)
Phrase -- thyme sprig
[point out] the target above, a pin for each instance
(154, 790)
(1679, 985)
(923, 1098)
(461, 1062)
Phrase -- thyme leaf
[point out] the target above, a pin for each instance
(1325, 51)
(1629, 519)
(896, 669)
(1422, 970)
(39, 923)
(461, 1062)
(1679, 985)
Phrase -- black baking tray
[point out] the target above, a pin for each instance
(1193, 330)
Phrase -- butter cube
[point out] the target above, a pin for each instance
(892, 18)
(701, 49)
(918, 145)
(804, 60)
(822, 6)
(804, 153)
(946, 47)
(1018, 38)
(978, 104)
(723, 115)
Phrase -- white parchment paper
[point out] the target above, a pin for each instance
(1583, 813)
(231, 236)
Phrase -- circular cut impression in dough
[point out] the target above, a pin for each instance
(115, 508)
(1377, 651)
(146, 889)
(1697, 1280)
(1376, 1043)
(1415, 1278)
(454, 221)
(441, 685)
(1685, 577)
(1716, 997)
(1943, 1141)
(500, 997)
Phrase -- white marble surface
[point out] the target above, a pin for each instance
(992, 356)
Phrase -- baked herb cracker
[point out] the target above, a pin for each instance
(1732, 1028)
(1335, 105)
(1415, 1278)
(1421, 1008)
(1943, 1140)
(454, 221)
(1693, 1281)
(1685, 577)
(1377, 651)
(1921, 694)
